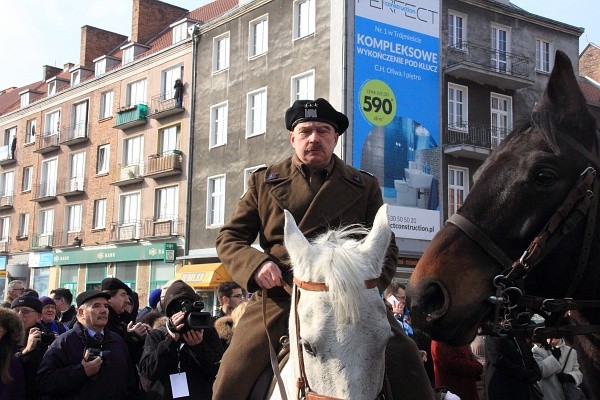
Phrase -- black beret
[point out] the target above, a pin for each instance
(27, 301)
(114, 284)
(89, 295)
(315, 110)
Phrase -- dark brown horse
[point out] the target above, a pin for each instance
(516, 193)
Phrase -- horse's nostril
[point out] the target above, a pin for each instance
(434, 301)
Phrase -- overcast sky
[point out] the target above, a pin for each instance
(34, 33)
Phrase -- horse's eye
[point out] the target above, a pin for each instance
(546, 177)
(308, 347)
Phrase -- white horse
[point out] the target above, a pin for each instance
(342, 325)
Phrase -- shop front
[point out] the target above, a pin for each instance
(205, 279)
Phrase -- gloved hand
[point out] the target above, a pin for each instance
(556, 352)
(563, 378)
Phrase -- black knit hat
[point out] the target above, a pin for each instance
(27, 301)
(179, 290)
(315, 110)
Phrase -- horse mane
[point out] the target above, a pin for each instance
(341, 269)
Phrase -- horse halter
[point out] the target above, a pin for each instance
(578, 203)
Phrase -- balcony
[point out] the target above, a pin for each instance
(486, 65)
(6, 156)
(125, 231)
(45, 191)
(42, 241)
(6, 201)
(47, 143)
(76, 133)
(164, 105)
(4, 245)
(471, 140)
(131, 116)
(165, 164)
(68, 239)
(128, 174)
(71, 186)
(165, 226)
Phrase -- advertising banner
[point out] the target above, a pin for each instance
(396, 108)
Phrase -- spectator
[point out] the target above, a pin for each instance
(89, 361)
(153, 300)
(132, 333)
(558, 363)
(178, 353)
(15, 289)
(456, 368)
(395, 295)
(231, 295)
(36, 341)
(178, 93)
(225, 325)
(478, 349)
(49, 322)
(66, 312)
(12, 379)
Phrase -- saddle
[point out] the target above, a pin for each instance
(265, 385)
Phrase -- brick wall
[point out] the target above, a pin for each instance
(97, 42)
(150, 17)
(589, 62)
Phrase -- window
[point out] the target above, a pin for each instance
(95, 274)
(160, 273)
(46, 222)
(52, 123)
(218, 125)
(75, 78)
(256, 113)
(136, 93)
(52, 86)
(168, 139)
(100, 67)
(458, 187)
(166, 208)
(23, 231)
(259, 34)
(304, 18)
(74, 213)
(99, 214)
(247, 173)
(221, 52)
(133, 150)
(303, 86)
(6, 151)
(180, 32)
(25, 99)
(457, 107)
(41, 279)
(457, 32)
(79, 120)
(7, 184)
(500, 48)
(76, 172)
(215, 210)
(103, 157)
(4, 229)
(542, 55)
(106, 104)
(27, 179)
(501, 109)
(69, 275)
(127, 55)
(169, 77)
(48, 178)
(30, 131)
(129, 216)
(126, 272)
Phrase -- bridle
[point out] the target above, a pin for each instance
(580, 203)
(303, 388)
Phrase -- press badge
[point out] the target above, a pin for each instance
(179, 386)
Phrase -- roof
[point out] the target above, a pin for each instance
(591, 90)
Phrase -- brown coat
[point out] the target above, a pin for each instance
(348, 196)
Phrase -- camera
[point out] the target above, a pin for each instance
(195, 319)
(94, 353)
(47, 336)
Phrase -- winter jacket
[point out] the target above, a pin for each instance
(550, 367)
(456, 368)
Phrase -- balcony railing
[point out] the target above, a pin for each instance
(71, 186)
(42, 240)
(6, 155)
(76, 133)
(125, 231)
(45, 191)
(4, 245)
(128, 174)
(165, 164)
(68, 238)
(131, 116)
(6, 200)
(165, 226)
(164, 105)
(472, 140)
(47, 143)
(488, 65)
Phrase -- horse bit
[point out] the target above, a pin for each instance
(576, 205)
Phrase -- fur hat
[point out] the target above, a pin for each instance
(27, 301)
(14, 333)
(179, 290)
(315, 110)
(224, 327)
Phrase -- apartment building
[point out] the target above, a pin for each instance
(94, 163)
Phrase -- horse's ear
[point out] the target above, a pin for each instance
(377, 241)
(294, 240)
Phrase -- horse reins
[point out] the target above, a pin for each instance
(578, 203)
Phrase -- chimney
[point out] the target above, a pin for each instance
(50, 72)
(68, 66)
(97, 42)
(152, 16)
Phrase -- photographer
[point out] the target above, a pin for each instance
(181, 360)
(36, 342)
(89, 361)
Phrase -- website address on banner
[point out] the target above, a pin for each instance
(409, 227)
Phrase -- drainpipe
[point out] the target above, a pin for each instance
(195, 38)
